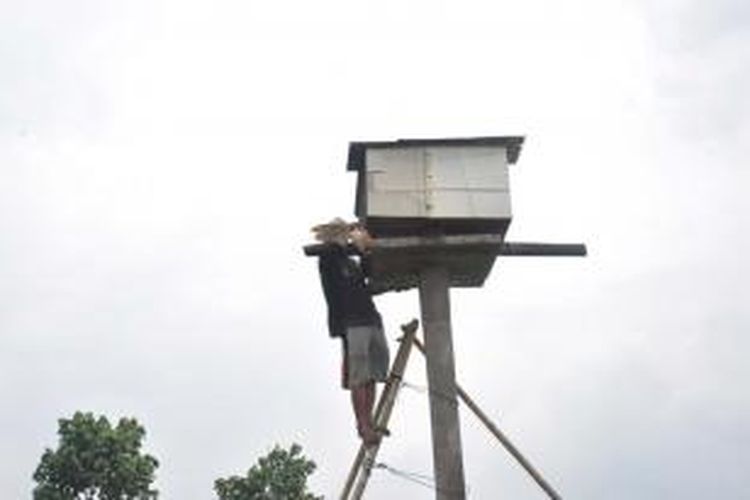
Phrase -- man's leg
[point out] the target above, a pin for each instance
(370, 398)
(362, 376)
(363, 401)
(362, 396)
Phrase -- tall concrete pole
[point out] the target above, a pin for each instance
(434, 301)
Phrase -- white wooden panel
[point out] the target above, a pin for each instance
(491, 204)
(466, 204)
(468, 182)
(396, 204)
(395, 182)
(438, 182)
(395, 169)
(468, 167)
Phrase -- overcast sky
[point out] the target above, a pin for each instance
(161, 163)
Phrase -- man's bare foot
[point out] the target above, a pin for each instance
(369, 436)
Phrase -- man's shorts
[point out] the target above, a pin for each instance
(366, 355)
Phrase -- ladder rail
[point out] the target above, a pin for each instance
(365, 458)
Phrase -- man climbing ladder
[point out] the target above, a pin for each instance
(352, 316)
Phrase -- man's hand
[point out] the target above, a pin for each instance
(360, 238)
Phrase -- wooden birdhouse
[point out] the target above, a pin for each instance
(425, 187)
(428, 202)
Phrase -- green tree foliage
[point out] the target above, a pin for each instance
(94, 460)
(280, 475)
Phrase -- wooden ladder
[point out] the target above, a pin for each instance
(359, 474)
(365, 460)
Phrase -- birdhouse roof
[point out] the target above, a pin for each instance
(357, 150)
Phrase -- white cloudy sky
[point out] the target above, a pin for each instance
(162, 161)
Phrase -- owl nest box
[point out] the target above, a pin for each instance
(434, 202)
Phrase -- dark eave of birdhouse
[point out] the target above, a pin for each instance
(356, 160)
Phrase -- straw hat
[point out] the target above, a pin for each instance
(336, 231)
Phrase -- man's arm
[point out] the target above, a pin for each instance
(333, 290)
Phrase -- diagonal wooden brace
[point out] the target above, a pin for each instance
(507, 444)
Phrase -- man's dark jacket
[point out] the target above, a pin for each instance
(349, 301)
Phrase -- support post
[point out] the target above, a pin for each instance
(434, 301)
